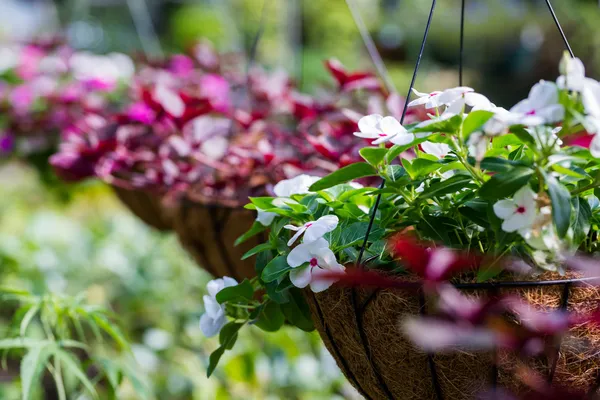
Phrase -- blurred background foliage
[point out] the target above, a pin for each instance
(80, 240)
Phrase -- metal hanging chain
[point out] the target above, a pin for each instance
(370, 45)
(142, 20)
(412, 84)
(462, 43)
(560, 29)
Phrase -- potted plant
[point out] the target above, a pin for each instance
(483, 197)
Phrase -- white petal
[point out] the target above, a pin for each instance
(504, 208)
(265, 218)
(591, 97)
(293, 227)
(319, 283)
(301, 277)
(296, 236)
(210, 327)
(403, 139)
(228, 282)
(525, 197)
(514, 223)
(213, 287)
(297, 185)
(552, 113)
(437, 149)
(521, 107)
(418, 102)
(450, 95)
(390, 126)
(320, 227)
(543, 94)
(212, 307)
(383, 139)
(369, 123)
(299, 255)
(595, 146)
(477, 101)
(366, 135)
(215, 148)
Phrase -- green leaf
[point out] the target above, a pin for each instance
(581, 222)
(423, 166)
(111, 329)
(449, 125)
(276, 268)
(227, 338)
(275, 295)
(257, 249)
(264, 203)
(450, 185)
(355, 233)
(297, 312)
(373, 155)
(396, 150)
(395, 172)
(32, 366)
(229, 334)
(271, 318)
(522, 134)
(240, 292)
(28, 317)
(497, 164)
(561, 205)
(72, 366)
(213, 360)
(343, 175)
(256, 228)
(262, 259)
(506, 183)
(474, 121)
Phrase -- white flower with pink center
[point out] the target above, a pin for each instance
(436, 149)
(383, 130)
(310, 262)
(541, 107)
(313, 230)
(519, 212)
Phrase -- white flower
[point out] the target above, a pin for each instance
(214, 318)
(169, 100)
(546, 137)
(430, 100)
(264, 217)
(499, 123)
(313, 230)
(541, 234)
(436, 149)
(518, 213)
(541, 106)
(297, 185)
(320, 260)
(383, 130)
(109, 68)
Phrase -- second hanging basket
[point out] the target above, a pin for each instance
(208, 228)
(361, 329)
(147, 206)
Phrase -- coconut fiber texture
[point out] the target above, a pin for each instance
(208, 232)
(147, 207)
(361, 329)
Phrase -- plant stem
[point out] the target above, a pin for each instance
(60, 385)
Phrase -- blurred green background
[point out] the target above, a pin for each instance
(88, 243)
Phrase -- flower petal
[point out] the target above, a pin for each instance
(369, 123)
(543, 94)
(320, 227)
(299, 255)
(265, 218)
(301, 277)
(209, 326)
(403, 139)
(296, 235)
(504, 208)
(514, 223)
(390, 126)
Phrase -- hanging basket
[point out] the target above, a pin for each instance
(147, 207)
(208, 228)
(361, 329)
